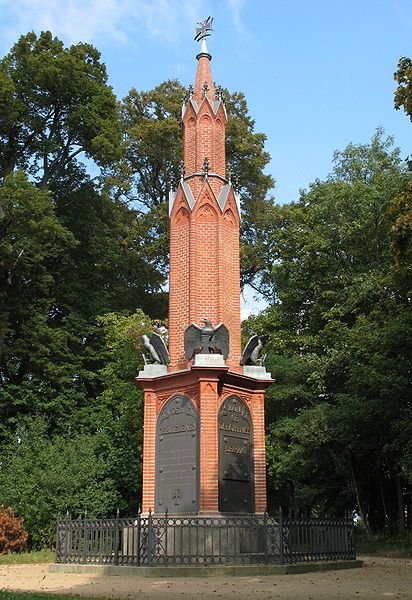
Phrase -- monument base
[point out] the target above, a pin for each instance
(206, 571)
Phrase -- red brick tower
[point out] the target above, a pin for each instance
(204, 445)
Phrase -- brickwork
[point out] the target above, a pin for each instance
(204, 283)
(207, 388)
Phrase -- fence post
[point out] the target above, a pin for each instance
(116, 539)
(149, 538)
(139, 516)
(66, 536)
(166, 528)
(281, 547)
(265, 535)
(57, 536)
(84, 537)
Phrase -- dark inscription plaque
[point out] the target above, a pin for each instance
(177, 457)
(236, 477)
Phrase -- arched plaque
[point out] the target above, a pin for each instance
(177, 457)
(236, 475)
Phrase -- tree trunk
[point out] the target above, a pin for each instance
(358, 502)
(401, 508)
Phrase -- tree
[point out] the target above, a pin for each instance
(31, 242)
(122, 403)
(56, 104)
(403, 93)
(339, 414)
(42, 474)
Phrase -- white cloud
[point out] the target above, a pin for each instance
(235, 7)
(96, 20)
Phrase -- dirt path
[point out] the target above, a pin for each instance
(380, 578)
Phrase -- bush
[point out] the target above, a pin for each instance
(13, 536)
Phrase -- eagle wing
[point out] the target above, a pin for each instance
(221, 339)
(248, 349)
(192, 339)
(160, 347)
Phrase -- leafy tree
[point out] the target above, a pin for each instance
(41, 475)
(339, 413)
(97, 468)
(403, 93)
(56, 104)
(121, 414)
(31, 242)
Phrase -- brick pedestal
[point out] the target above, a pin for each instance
(207, 388)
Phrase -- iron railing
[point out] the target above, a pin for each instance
(156, 540)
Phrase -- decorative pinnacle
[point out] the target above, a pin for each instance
(219, 91)
(236, 185)
(206, 165)
(202, 32)
(205, 88)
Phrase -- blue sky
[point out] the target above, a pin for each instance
(317, 74)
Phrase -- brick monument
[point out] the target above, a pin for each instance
(204, 433)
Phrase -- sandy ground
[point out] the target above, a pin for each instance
(380, 578)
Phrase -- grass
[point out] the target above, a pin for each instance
(395, 546)
(34, 557)
(6, 595)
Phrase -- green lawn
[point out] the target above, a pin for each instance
(5, 595)
(38, 556)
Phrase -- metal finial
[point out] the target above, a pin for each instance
(204, 28)
(205, 88)
(206, 165)
(219, 92)
(229, 175)
(190, 88)
(173, 182)
(182, 169)
(236, 182)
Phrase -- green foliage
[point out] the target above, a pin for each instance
(123, 403)
(403, 93)
(90, 463)
(41, 475)
(383, 545)
(337, 333)
(56, 104)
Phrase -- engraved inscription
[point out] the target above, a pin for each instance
(236, 481)
(177, 457)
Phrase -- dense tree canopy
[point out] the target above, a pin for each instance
(56, 104)
(340, 415)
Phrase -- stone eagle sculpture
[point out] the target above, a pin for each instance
(157, 348)
(206, 339)
(250, 354)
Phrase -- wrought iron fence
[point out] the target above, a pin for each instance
(156, 540)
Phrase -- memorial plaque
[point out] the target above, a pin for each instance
(177, 457)
(236, 477)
